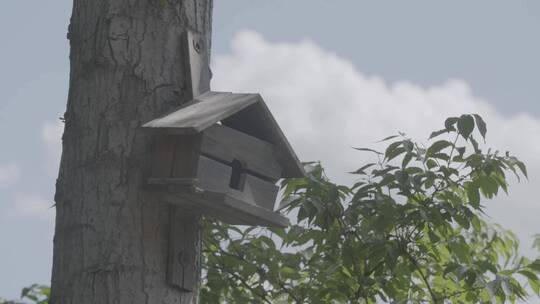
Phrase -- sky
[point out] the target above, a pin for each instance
(336, 74)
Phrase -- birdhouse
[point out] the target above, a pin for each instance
(219, 154)
(224, 152)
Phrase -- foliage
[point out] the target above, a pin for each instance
(36, 294)
(410, 230)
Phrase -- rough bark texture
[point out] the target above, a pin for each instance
(127, 67)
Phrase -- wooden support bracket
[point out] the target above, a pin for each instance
(183, 271)
(198, 63)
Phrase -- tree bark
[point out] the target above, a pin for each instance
(127, 67)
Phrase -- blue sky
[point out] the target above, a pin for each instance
(394, 66)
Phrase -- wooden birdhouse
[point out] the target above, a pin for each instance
(219, 154)
(225, 152)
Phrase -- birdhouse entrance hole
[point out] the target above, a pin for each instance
(236, 181)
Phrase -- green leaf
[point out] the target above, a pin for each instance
(462, 220)
(493, 287)
(535, 285)
(460, 249)
(488, 266)
(433, 237)
(393, 150)
(535, 265)
(450, 122)
(488, 186)
(431, 164)
(481, 124)
(395, 153)
(523, 168)
(529, 275)
(475, 145)
(442, 156)
(368, 150)
(470, 278)
(533, 280)
(288, 272)
(388, 138)
(362, 169)
(437, 147)
(465, 125)
(437, 133)
(536, 242)
(408, 157)
(473, 194)
(451, 267)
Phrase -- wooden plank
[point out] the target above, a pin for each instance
(256, 156)
(185, 156)
(264, 193)
(257, 191)
(213, 175)
(204, 111)
(175, 155)
(197, 60)
(184, 249)
(172, 181)
(248, 214)
(163, 155)
(237, 212)
(223, 207)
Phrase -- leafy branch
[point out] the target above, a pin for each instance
(414, 215)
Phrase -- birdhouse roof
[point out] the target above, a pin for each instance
(244, 112)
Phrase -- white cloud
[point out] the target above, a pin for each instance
(325, 106)
(51, 134)
(9, 174)
(33, 205)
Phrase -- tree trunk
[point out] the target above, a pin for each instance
(127, 67)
